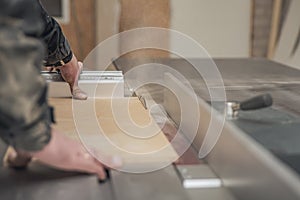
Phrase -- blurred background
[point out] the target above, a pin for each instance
(231, 28)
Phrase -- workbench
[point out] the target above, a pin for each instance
(256, 157)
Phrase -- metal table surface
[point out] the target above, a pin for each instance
(257, 155)
(40, 182)
(243, 79)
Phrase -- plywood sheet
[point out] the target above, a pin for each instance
(120, 127)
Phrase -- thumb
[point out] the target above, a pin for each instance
(80, 64)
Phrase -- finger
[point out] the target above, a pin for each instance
(17, 160)
(80, 64)
(102, 173)
(49, 69)
(88, 164)
(79, 94)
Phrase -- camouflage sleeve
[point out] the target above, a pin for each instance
(24, 114)
(57, 46)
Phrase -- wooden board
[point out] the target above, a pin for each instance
(104, 125)
(277, 6)
(295, 61)
(81, 31)
(289, 34)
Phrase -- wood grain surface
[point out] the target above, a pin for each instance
(121, 127)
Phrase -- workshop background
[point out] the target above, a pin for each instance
(231, 28)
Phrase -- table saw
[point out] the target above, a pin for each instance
(257, 156)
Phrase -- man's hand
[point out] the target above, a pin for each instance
(66, 154)
(71, 72)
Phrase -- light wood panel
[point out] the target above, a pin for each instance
(105, 126)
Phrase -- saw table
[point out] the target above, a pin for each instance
(256, 157)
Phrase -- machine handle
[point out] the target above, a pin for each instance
(258, 102)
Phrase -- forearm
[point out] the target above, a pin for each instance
(24, 115)
(59, 54)
(58, 50)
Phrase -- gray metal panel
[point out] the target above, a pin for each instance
(209, 194)
(40, 182)
(251, 171)
(246, 167)
(163, 184)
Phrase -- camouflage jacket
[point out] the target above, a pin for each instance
(25, 30)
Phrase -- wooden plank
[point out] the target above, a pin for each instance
(144, 13)
(81, 31)
(289, 33)
(118, 137)
(252, 6)
(295, 61)
(277, 5)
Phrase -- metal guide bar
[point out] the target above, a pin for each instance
(198, 176)
(96, 84)
(85, 76)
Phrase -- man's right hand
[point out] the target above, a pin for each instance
(65, 153)
(70, 73)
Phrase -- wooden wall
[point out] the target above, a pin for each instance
(81, 31)
(145, 13)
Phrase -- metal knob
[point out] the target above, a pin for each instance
(258, 102)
